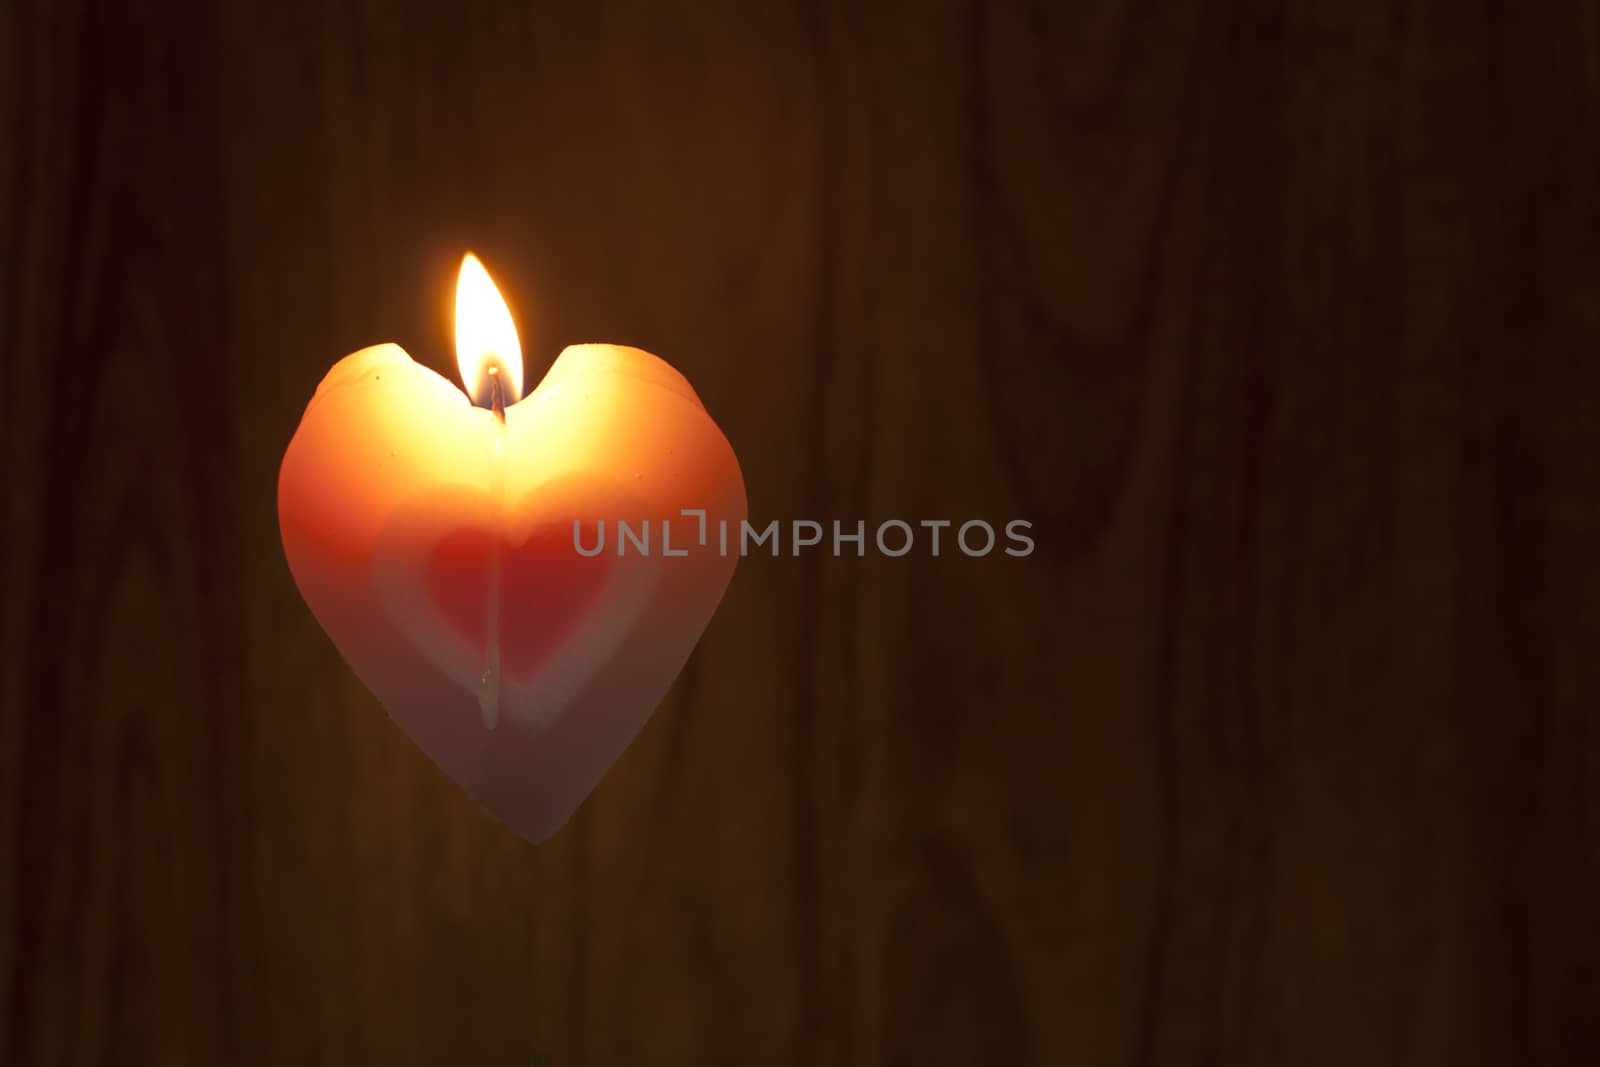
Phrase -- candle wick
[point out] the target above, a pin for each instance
(489, 689)
(497, 395)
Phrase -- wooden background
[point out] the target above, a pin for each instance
(1280, 322)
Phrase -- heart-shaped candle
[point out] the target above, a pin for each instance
(517, 582)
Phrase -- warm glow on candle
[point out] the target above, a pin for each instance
(486, 338)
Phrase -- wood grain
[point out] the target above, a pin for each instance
(1280, 325)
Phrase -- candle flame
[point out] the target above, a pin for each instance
(486, 338)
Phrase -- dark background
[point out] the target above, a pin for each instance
(1280, 322)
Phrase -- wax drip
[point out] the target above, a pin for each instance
(489, 686)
